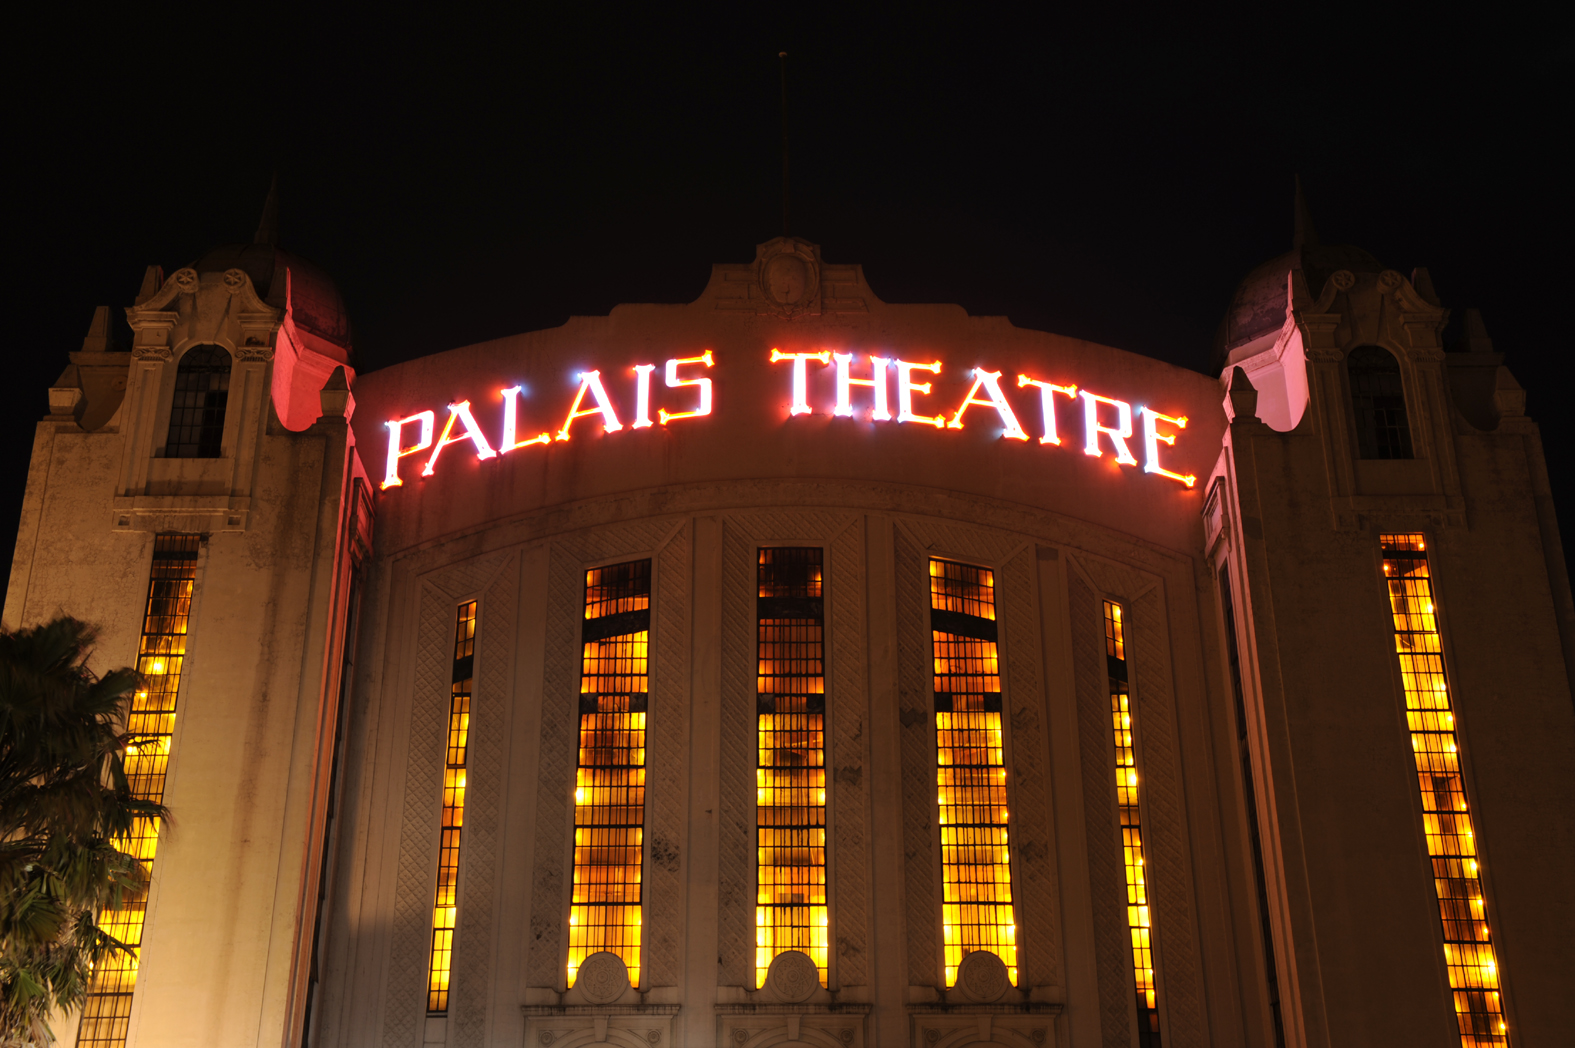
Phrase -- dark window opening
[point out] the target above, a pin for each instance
(1378, 398)
(202, 389)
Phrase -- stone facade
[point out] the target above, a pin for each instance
(292, 901)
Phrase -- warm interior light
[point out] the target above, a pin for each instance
(790, 771)
(161, 653)
(1451, 839)
(609, 810)
(1140, 923)
(976, 870)
(445, 904)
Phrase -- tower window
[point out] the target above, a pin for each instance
(445, 905)
(1378, 398)
(790, 776)
(202, 389)
(976, 870)
(609, 788)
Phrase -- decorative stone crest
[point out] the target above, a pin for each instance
(186, 281)
(602, 978)
(234, 281)
(1343, 279)
(982, 977)
(792, 978)
(789, 276)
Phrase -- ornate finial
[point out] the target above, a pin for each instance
(1306, 235)
(268, 224)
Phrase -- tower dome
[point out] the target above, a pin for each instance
(315, 303)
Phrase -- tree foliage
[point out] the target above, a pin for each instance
(64, 804)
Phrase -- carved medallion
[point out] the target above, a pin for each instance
(1343, 279)
(792, 978)
(234, 280)
(789, 277)
(982, 977)
(186, 280)
(602, 978)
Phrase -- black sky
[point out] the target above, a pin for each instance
(470, 175)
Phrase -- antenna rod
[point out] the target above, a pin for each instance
(782, 56)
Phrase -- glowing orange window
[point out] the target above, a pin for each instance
(1446, 818)
(976, 869)
(790, 775)
(609, 793)
(106, 1014)
(445, 905)
(1139, 915)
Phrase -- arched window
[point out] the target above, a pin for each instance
(202, 388)
(1378, 398)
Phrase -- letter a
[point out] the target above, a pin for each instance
(591, 381)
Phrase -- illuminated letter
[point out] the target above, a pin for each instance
(877, 380)
(1118, 434)
(461, 413)
(800, 377)
(1047, 392)
(511, 409)
(991, 381)
(1151, 439)
(592, 381)
(906, 388)
(396, 430)
(673, 382)
(642, 395)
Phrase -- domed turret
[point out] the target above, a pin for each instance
(315, 303)
(1258, 308)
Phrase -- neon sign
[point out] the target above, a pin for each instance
(1108, 423)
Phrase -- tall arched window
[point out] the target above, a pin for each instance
(1378, 398)
(202, 388)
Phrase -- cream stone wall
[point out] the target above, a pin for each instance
(302, 866)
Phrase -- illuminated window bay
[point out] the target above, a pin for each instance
(1139, 916)
(976, 869)
(1446, 818)
(790, 775)
(445, 905)
(609, 789)
(161, 653)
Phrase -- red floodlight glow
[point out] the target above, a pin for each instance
(991, 382)
(674, 382)
(511, 412)
(906, 388)
(1047, 392)
(1152, 438)
(396, 429)
(591, 381)
(800, 376)
(1118, 434)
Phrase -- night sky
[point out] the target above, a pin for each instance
(468, 176)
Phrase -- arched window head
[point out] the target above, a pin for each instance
(1378, 399)
(202, 389)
